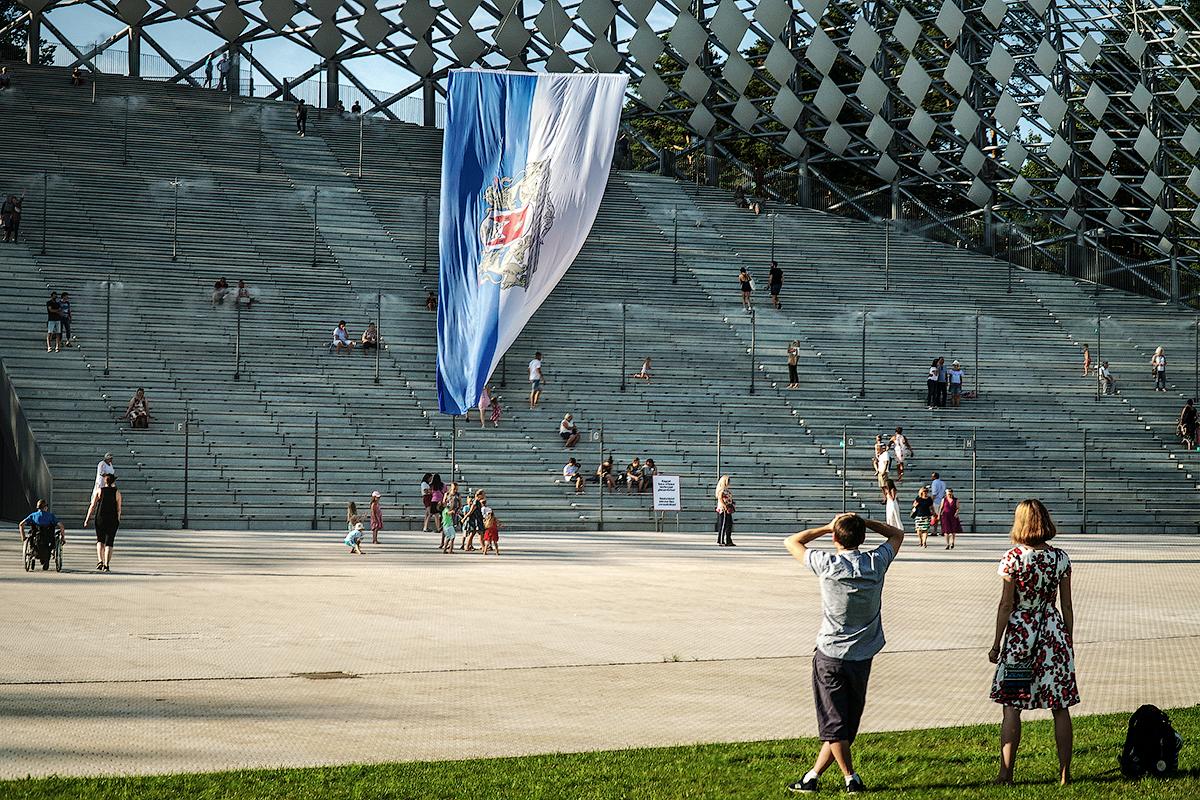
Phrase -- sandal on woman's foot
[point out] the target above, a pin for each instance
(99, 566)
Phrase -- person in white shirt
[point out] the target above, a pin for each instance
(1108, 382)
(105, 467)
(572, 474)
(341, 338)
(535, 380)
(223, 73)
(883, 462)
(568, 432)
(902, 449)
(1159, 364)
(956, 383)
(937, 488)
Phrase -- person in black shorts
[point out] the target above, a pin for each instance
(747, 284)
(775, 284)
(106, 506)
(301, 118)
(850, 637)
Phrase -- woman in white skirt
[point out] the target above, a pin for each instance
(892, 505)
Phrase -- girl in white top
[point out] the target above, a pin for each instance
(893, 506)
(902, 450)
(644, 374)
(1159, 364)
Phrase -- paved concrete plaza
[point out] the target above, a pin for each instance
(191, 655)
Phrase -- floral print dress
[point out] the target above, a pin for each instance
(1036, 629)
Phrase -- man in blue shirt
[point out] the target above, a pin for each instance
(43, 525)
(851, 634)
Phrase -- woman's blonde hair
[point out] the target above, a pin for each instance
(722, 486)
(1032, 524)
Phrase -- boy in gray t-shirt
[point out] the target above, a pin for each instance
(850, 636)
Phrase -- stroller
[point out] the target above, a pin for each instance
(44, 544)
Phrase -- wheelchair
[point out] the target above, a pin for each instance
(43, 541)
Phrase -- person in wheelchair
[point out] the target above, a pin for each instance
(45, 528)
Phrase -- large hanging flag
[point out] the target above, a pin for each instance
(525, 158)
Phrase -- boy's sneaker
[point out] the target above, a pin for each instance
(803, 787)
(855, 786)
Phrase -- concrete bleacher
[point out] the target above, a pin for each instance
(246, 211)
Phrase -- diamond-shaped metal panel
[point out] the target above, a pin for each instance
(773, 15)
(1146, 145)
(1141, 97)
(745, 114)
(372, 26)
(231, 22)
(872, 91)
(958, 73)
(795, 144)
(821, 51)
(972, 159)
(1065, 188)
(646, 47)
(35, 5)
(836, 139)
(965, 120)
(1193, 181)
(950, 20)
(1021, 189)
(815, 8)
(1052, 108)
(1038, 6)
(603, 57)
(1102, 147)
(829, 99)
(1089, 50)
(1096, 101)
(326, 9)
(1015, 153)
(182, 7)
(921, 126)
(695, 83)
(512, 36)
(1008, 113)
(864, 41)
(702, 121)
(995, 10)
(737, 72)
(1059, 151)
(132, 11)
(929, 163)
(277, 13)
(1000, 63)
(597, 15)
(1152, 185)
(780, 62)
(730, 25)
(907, 30)
(1046, 57)
(1135, 45)
(787, 106)
(887, 167)
(1190, 139)
(652, 89)
(1186, 93)
(1115, 218)
(1108, 185)
(638, 10)
(879, 133)
(1159, 220)
(422, 58)
(417, 16)
(688, 37)
(979, 193)
(1072, 219)
(914, 81)
(553, 23)
(467, 46)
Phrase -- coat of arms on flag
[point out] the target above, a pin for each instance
(519, 213)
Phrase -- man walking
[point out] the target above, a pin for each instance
(223, 73)
(105, 467)
(775, 284)
(208, 65)
(851, 634)
(535, 380)
(301, 118)
(937, 490)
(64, 312)
(53, 323)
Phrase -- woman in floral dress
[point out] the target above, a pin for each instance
(1031, 630)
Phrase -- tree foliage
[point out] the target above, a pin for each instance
(13, 43)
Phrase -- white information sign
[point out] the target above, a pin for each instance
(666, 493)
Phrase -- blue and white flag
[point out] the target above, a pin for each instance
(525, 159)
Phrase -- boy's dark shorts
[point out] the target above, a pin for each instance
(840, 692)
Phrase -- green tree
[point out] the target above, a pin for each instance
(12, 44)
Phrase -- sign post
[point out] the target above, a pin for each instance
(667, 495)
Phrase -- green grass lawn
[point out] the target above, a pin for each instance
(944, 763)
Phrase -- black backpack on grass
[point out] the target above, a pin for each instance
(1151, 746)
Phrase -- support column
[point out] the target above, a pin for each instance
(895, 194)
(429, 98)
(1174, 277)
(134, 66)
(33, 46)
(989, 228)
(710, 162)
(333, 75)
(234, 82)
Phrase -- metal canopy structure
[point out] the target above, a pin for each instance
(1072, 118)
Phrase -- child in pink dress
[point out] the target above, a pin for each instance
(376, 518)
